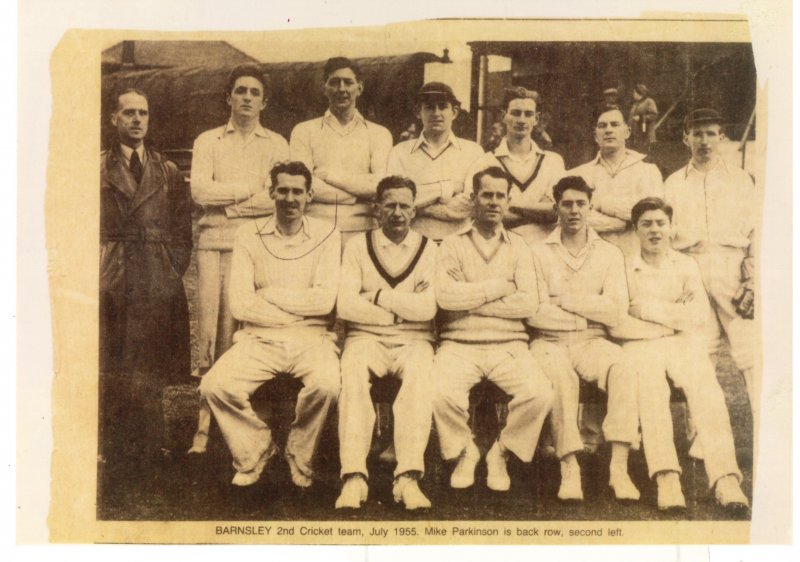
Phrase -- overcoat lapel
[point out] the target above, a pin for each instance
(118, 175)
(153, 180)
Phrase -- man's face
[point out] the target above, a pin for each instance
(491, 200)
(573, 210)
(611, 131)
(291, 195)
(246, 98)
(437, 116)
(395, 211)
(131, 119)
(342, 89)
(520, 117)
(653, 229)
(703, 141)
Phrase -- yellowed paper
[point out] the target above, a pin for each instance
(72, 234)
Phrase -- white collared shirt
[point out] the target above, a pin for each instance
(715, 208)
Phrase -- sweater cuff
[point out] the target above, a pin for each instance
(494, 289)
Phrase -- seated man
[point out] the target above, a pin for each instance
(582, 290)
(386, 295)
(284, 275)
(486, 286)
(668, 310)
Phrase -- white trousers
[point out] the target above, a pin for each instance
(216, 325)
(722, 276)
(685, 361)
(412, 364)
(595, 360)
(458, 367)
(251, 362)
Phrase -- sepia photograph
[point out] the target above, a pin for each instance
(438, 282)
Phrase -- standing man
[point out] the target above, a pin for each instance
(619, 178)
(716, 206)
(345, 152)
(486, 286)
(145, 247)
(668, 308)
(533, 171)
(284, 275)
(230, 177)
(437, 162)
(582, 291)
(387, 297)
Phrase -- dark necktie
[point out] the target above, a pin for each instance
(136, 167)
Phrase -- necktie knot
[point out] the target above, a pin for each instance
(136, 167)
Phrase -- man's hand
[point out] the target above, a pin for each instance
(421, 286)
(744, 301)
(456, 274)
(635, 310)
(687, 296)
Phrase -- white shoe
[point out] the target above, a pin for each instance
(670, 495)
(354, 493)
(497, 478)
(406, 491)
(623, 487)
(464, 474)
(571, 488)
(299, 478)
(252, 476)
(729, 493)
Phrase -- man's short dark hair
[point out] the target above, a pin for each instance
(338, 63)
(129, 90)
(519, 92)
(493, 172)
(650, 204)
(606, 108)
(576, 183)
(290, 168)
(246, 69)
(394, 182)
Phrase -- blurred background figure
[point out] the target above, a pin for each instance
(496, 133)
(642, 119)
(610, 97)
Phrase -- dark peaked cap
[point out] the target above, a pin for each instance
(703, 116)
(437, 90)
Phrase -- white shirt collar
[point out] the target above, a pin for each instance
(270, 228)
(259, 131)
(502, 233)
(638, 263)
(452, 139)
(329, 117)
(502, 150)
(555, 237)
(692, 169)
(411, 239)
(127, 152)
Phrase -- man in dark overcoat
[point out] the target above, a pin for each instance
(145, 248)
